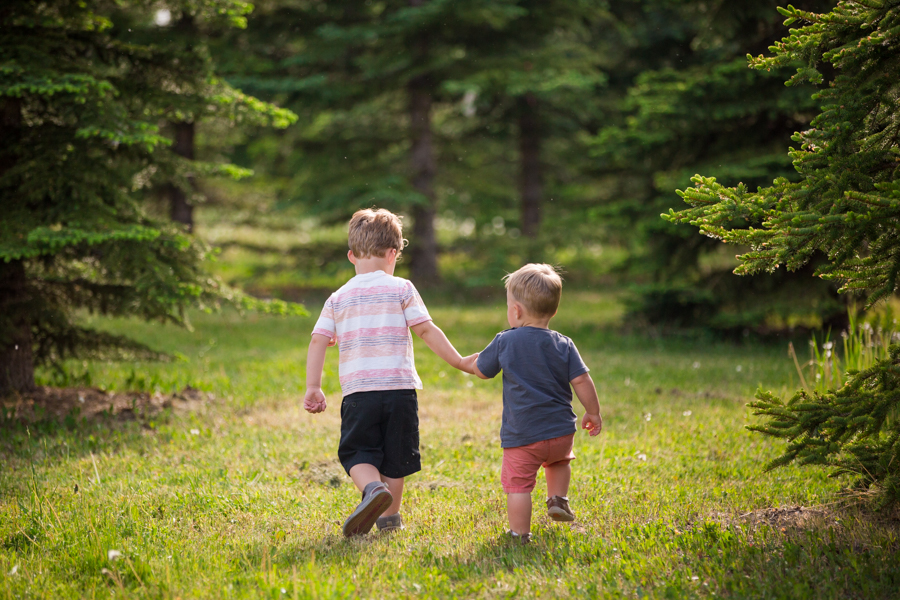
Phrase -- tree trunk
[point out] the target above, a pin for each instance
(423, 263)
(16, 355)
(531, 178)
(181, 210)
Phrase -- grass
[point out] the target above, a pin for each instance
(246, 498)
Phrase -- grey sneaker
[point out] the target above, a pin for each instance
(375, 500)
(389, 523)
(558, 509)
(521, 538)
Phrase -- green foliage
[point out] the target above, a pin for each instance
(848, 160)
(684, 101)
(81, 108)
(844, 206)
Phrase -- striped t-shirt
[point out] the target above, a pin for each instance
(370, 316)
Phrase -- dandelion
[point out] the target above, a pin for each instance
(112, 555)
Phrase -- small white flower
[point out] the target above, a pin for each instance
(695, 578)
(696, 365)
(647, 416)
(469, 384)
(113, 555)
(283, 591)
(442, 374)
(686, 413)
(195, 432)
(642, 456)
(739, 368)
(627, 381)
(828, 345)
(14, 570)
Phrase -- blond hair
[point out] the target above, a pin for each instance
(375, 231)
(538, 287)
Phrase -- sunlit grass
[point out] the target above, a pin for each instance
(245, 499)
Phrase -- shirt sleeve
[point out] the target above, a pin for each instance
(489, 359)
(413, 307)
(325, 324)
(576, 365)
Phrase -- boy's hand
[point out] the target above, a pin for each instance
(593, 423)
(314, 400)
(467, 364)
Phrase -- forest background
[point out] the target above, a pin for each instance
(510, 132)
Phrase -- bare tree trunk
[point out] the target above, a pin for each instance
(423, 264)
(181, 210)
(16, 354)
(531, 178)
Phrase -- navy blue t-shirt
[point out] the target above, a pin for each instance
(537, 366)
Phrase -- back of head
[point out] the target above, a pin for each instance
(538, 287)
(375, 231)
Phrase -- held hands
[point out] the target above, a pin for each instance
(314, 400)
(593, 423)
(467, 364)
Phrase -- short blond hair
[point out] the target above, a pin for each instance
(375, 231)
(538, 287)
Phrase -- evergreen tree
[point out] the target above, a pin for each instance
(382, 91)
(80, 105)
(845, 205)
(682, 100)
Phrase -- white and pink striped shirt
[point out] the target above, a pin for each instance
(370, 316)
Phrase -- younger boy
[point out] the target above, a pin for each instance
(538, 425)
(370, 318)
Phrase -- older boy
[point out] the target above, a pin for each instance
(538, 424)
(370, 318)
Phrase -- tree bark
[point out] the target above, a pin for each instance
(531, 177)
(16, 354)
(181, 210)
(423, 263)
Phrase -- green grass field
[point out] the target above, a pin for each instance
(245, 498)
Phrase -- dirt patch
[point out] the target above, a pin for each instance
(794, 517)
(92, 403)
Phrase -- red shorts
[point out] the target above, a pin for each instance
(521, 464)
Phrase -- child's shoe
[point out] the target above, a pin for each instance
(375, 500)
(389, 523)
(558, 509)
(519, 538)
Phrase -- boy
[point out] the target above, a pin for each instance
(538, 424)
(370, 318)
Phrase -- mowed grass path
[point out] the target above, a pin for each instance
(246, 498)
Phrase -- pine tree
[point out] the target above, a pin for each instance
(80, 106)
(846, 205)
(690, 104)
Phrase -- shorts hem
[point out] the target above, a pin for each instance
(518, 490)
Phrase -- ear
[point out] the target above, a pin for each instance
(520, 310)
(350, 256)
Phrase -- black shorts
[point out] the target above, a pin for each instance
(381, 429)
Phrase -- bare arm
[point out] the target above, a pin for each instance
(587, 395)
(314, 399)
(469, 364)
(435, 339)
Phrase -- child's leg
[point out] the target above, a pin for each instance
(363, 474)
(396, 488)
(518, 509)
(558, 476)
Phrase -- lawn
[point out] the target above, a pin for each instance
(245, 497)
